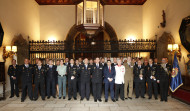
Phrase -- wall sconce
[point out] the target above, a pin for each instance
(9, 51)
(174, 48)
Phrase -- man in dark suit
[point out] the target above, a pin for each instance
(26, 71)
(164, 71)
(97, 76)
(139, 79)
(13, 72)
(72, 80)
(151, 76)
(50, 79)
(39, 80)
(85, 75)
(109, 75)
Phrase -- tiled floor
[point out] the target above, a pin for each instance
(14, 104)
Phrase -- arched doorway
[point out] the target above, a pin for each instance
(107, 34)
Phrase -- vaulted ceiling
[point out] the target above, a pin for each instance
(105, 2)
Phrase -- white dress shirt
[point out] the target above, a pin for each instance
(120, 72)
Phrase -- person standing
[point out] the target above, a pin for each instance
(78, 76)
(164, 70)
(97, 76)
(109, 79)
(39, 80)
(62, 71)
(56, 81)
(119, 80)
(128, 78)
(85, 75)
(151, 75)
(139, 78)
(50, 79)
(13, 72)
(72, 80)
(26, 71)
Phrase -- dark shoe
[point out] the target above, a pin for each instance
(143, 97)
(136, 97)
(116, 99)
(106, 100)
(99, 100)
(166, 100)
(161, 100)
(156, 98)
(113, 100)
(95, 100)
(75, 98)
(48, 97)
(22, 100)
(35, 99)
(130, 97)
(81, 99)
(123, 99)
(149, 98)
(54, 96)
(69, 99)
(59, 97)
(11, 96)
(17, 96)
(126, 98)
(43, 99)
(63, 97)
(87, 99)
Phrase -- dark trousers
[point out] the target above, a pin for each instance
(164, 85)
(152, 84)
(78, 86)
(50, 85)
(14, 83)
(119, 88)
(97, 90)
(26, 86)
(139, 88)
(41, 85)
(72, 88)
(85, 89)
(111, 87)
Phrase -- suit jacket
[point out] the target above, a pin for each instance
(13, 71)
(39, 74)
(136, 72)
(85, 74)
(128, 71)
(97, 73)
(51, 74)
(72, 71)
(108, 74)
(162, 74)
(151, 71)
(26, 73)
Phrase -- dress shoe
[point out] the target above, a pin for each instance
(149, 98)
(17, 96)
(22, 100)
(95, 100)
(106, 100)
(123, 99)
(43, 99)
(116, 99)
(99, 100)
(75, 98)
(59, 97)
(136, 97)
(81, 99)
(166, 100)
(69, 99)
(156, 98)
(63, 97)
(11, 96)
(130, 97)
(126, 98)
(35, 99)
(87, 99)
(54, 96)
(143, 97)
(113, 100)
(48, 97)
(161, 100)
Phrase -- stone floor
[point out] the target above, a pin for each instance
(14, 104)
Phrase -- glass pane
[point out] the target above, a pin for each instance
(80, 13)
(91, 12)
(101, 15)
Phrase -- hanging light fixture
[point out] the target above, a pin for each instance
(89, 16)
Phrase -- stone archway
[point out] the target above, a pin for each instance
(73, 32)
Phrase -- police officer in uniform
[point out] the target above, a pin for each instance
(164, 71)
(78, 76)
(50, 79)
(26, 71)
(13, 72)
(85, 75)
(72, 80)
(97, 76)
(151, 76)
(139, 79)
(39, 80)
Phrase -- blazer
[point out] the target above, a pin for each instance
(108, 74)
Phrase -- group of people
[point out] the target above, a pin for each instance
(119, 76)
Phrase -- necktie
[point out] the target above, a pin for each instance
(97, 66)
(109, 69)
